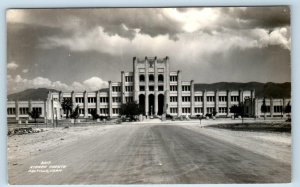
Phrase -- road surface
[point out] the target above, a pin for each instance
(151, 154)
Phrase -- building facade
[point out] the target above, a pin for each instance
(156, 89)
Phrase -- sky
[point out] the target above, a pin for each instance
(82, 49)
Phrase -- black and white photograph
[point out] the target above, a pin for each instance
(170, 95)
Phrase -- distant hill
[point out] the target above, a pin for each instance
(35, 94)
(275, 90)
(31, 94)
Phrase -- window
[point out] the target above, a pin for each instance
(186, 88)
(103, 110)
(116, 88)
(198, 98)
(198, 110)
(160, 78)
(116, 110)
(129, 99)
(151, 88)
(210, 110)
(234, 98)
(128, 88)
(79, 99)
(223, 98)
(38, 109)
(23, 110)
(103, 99)
(151, 78)
(142, 78)
(129, 79)
(277, 109)
(222, 109)
(173, 88)
(173, 110)
(160, 88)
(173, 78)
(186, 110)
(267, 109)
(173, 99)
(142, 88)
(11, 111)
(90, 110)
(116, 99)
(91, 99)
(81, 111)
(186, 98)
(210, 98)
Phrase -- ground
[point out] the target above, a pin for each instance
(154, 153)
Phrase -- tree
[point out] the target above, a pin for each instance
(34, 114)
(235, 110)
(263, 108)
(67, 106)
(288, 110)
(131, 110)
(75, 114)
(94, 114)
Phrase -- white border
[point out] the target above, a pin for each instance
(295, 25)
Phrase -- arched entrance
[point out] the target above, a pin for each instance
(161, 102)
(151, 104)
(142, 103)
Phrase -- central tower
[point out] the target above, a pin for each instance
(152, 84)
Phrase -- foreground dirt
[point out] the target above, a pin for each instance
(149, 153)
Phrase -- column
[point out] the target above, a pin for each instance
(135, 81)
(45, 112)
(192, 93)
(217, 101)
(123, 87)
(29, 108)
(146, 87)
(60, 97)
(17, 109)
(110, 99)
(204, 102)
(241, 97)
(85, 104)
(252, 105)
(73, 99)
(179, 93)
(155, 87)
(167, 85)
(271, 107)
(283, 106)
(228, 102)
(98, 102)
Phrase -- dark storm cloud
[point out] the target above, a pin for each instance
(264, 17)
(148, 21)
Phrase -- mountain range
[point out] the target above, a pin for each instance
(275, 90)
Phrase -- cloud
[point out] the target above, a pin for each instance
(18, 83)
(195, 45)
(12, 65)
(25, 70)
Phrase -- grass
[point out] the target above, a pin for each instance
(261, 127)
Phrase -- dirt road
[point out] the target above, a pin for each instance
(148, 154)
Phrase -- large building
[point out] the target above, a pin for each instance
(157, 90)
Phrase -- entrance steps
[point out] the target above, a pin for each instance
(149, 120)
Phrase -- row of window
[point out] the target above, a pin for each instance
(151, 88)
(23, 110)
(128, 78)
(151, 78)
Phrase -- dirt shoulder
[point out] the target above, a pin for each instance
(25, 145)
(276, 145)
